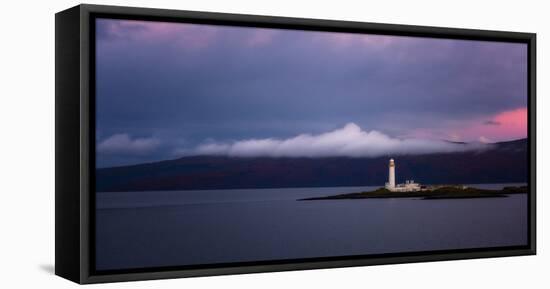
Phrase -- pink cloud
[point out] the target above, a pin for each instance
(338, 40)
(506, 125)
(503, 126)
(186, 35)
(183, 35)
(261, 37)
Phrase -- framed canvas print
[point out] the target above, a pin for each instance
(192, 144)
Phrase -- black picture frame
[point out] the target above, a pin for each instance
(75, 142)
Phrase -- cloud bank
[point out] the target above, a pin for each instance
(124, 144)
(349, 141)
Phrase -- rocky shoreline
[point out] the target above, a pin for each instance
(440, 192)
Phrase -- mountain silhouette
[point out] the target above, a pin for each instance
(503, 162)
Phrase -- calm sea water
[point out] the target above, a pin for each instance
(171, 228)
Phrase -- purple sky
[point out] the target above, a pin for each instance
(171, 89)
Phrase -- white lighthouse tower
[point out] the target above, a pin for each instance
(408, 186)
(391, 178)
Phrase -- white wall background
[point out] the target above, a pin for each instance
(27, 144)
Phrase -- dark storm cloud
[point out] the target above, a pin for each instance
(185, 85)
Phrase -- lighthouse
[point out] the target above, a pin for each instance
(408, 186)
(391, 177)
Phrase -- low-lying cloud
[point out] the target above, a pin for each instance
(124, 144)
(349, 141)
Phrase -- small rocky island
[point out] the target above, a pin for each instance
(410, 189)
(430, 193)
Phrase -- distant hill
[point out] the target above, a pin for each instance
(502, 163)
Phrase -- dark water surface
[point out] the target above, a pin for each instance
(171, 228)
